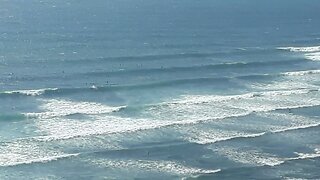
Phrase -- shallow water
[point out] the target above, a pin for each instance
(159, 89)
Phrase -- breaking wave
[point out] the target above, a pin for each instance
(301, 49)
(57, 108)
(191, 109)
(310, 53)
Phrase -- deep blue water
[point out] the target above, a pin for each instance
(159, 89)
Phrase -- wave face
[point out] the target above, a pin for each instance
(159, 89)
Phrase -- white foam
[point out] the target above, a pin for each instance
(292, 178)
(305, 156)
(201, 137)
(202, 99)
(302, 73)
(186, 111)
(311, 53)
(290, 83)
(313, 56)
(253, 102)
(23, 152)
(301, 156)
(256, 157)
(210, 138)
(63, 129)
(57, 108)
(301, 49)
(17, 161)
(252, 157)
(170, 167)
(277, 123)
(32, 92)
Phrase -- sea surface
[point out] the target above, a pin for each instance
(159, 89)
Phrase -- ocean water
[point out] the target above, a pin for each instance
(159, 89)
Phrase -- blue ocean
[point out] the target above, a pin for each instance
(159, 89)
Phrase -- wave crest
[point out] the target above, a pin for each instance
(32, 92)
(301, 49)
(58, 108)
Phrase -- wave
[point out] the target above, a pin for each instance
(209, 139)
(115, 87)
(257, 158)
(5, 162)
(302, 73)
(222, 66)
(204, 140)
(161, 57)
(31, 92)
(57, 108)
(313, 56)
(64, 129)
(208, 68)
(143, 57)
(149, 165)
(156, 57)
(302, 156)
(202, 99)
(301, 49)
(252, 157)
(114, 125)
(310, 53)
(187, 110)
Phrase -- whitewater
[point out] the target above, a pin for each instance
(153, 89)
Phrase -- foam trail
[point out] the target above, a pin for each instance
(255, 157)
(252, 157)
(149, 165)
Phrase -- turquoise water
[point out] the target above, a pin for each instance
(171, 89)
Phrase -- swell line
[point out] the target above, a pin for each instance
(222, 66)
(160, 57)
(165, 70)
(114, 87)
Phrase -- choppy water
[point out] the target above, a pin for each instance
(170, 89)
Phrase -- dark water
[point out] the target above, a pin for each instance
(171, 89)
